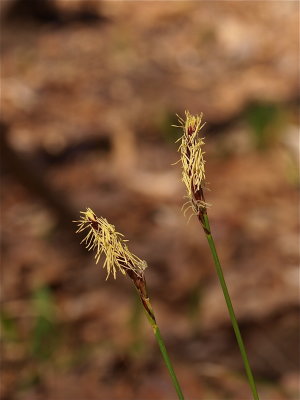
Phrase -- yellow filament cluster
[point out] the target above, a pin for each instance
(103, 238)
(192, 160)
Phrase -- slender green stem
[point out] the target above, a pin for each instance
(163, 350)
(168, 363)
(230, 307)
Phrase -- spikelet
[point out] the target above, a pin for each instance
(192, 160)
(103, 238)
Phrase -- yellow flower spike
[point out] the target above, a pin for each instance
(192, 161)
(103, 238)
(193, 176)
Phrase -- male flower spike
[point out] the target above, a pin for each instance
(103, 238)
(192, 160)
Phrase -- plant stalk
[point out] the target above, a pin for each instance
(168, 362)
(205, 223)
(161, 343)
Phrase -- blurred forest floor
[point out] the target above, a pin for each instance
(89, 93)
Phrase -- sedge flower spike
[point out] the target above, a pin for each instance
(192, 160)
(193, 176)
(104, 239)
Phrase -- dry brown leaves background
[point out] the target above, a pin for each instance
(90, 90)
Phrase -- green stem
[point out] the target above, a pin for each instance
(168, 362)
(164, 352)
(234, 322)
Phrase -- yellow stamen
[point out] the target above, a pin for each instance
(192, 158)
(103, 238)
